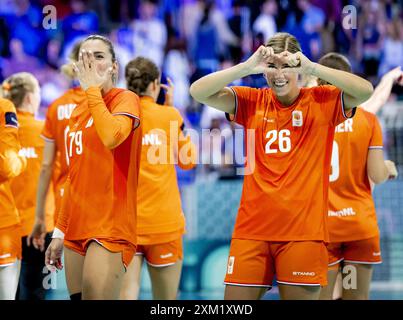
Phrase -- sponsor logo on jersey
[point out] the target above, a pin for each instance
(376, 254)
(297, 119)
(342, 213)
(270, 120)
(303, 273)
(28, 153)
(166, 256)
(151, 139)
(7, 255)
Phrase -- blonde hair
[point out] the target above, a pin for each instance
(283, 41)
(15, 87)
(67, 68)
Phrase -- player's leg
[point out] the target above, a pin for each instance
(301, 268)
(102, 273)
(335, 254)
(250, 270)
(73, 266)
(326, 293)
(363, 280)
(9, 276)
(164, 262)
(132, 279)
(360, 256)
(165, 280)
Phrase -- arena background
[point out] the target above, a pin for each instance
(188, 39)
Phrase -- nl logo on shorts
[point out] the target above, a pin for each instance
(297, 119)
(231, 261)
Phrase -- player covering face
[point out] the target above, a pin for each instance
(281, 224)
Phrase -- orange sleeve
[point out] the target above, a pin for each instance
(49, 130)
(112, 128)
(11, 163)
(331, 101)
(376, 141)
(63, 216)
(245, 104)
(187, 157)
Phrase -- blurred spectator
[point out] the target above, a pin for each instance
(149, 33)
(239, 24)
(123, 56)
(205, 49)
(80, 23)
(370, 38)
(265, 22)
(25, 24)
(4, 38)
(392, 49)
(19, 61)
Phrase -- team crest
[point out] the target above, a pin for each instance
(297, 119)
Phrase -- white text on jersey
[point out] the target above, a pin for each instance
(346, 126)
(64, 111)
(28, 153)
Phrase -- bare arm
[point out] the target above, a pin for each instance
(211, 89)
(382, 91)
(379, 170)
(356, 89)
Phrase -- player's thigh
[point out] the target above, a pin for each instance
(235, 292)
(326, 292)
(165, 280)
(102, 273)
(132, 279)
(356, 281)
(73, 266)
(298, 292)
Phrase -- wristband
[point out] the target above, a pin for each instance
(57, 234)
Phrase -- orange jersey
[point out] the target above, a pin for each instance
(24, 186)
(57, 119)
(351, 207)
(102, 193)
(11, 163)
(159, 207)
(285, 197)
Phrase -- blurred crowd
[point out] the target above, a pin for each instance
(190, 38)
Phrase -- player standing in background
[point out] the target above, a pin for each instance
(281, 223)
(25, 94)
(357, 159)
(54, 165)
(97, 220)
(11, 165)
(160, 220)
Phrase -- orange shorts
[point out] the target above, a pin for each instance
(162, 254)
(10, 245)
(126, 248)
(254, 263)
(367, 251)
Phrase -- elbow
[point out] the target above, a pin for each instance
(193, 90)
(367, 92)
(378, 177)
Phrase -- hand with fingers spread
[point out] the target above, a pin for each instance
(169, 92)
(87, 73)
(53, 255)
(37, 236)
